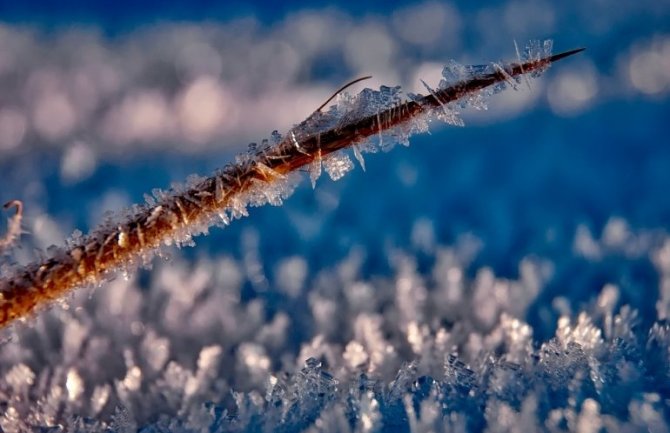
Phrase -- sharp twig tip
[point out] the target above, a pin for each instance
(557, 57)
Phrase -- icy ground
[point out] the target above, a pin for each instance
(217, 345)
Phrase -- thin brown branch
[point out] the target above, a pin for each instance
(180, 214)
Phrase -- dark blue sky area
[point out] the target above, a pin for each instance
(115, 15)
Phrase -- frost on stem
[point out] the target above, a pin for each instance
(13, 226)
(370, 121)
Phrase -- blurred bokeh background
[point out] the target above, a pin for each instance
(100, 102)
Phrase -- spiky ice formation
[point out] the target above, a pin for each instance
(416, 350)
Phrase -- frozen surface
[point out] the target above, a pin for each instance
(446, 347)
(513, 275)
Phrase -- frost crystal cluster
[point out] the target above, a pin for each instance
(331, 350)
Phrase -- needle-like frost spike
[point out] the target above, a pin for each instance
(265, 175)
(13, 225)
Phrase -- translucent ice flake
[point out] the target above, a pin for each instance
(584, 332)
(445, 113)
(450, 116)
(369, 103)
(313, 381)
(238, 207)
(74, 385)
(370, 145)
(208, 362)
(388, 137)
(19, 378)
(155, 350)
(320, 121)
(501, 69)
(455, 72)
(315, 169)
(368, 413)
(275, 137)
(537, 50)
(99, 398)
(261, 192)
(359, 156)
(253, 363)
(13, 226)
(355, 355)
(337, 165)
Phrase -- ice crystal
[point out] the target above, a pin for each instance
(315, 169)
(337, 165)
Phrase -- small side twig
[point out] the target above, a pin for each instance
(342, 89)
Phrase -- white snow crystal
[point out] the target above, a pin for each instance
(337, 165)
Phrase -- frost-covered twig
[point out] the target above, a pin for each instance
(264, 175)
